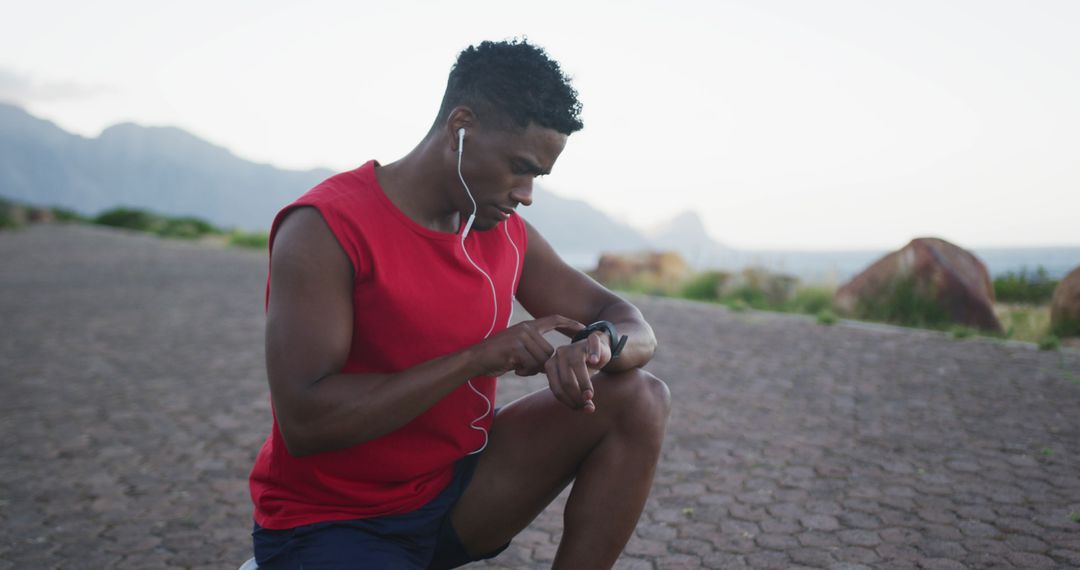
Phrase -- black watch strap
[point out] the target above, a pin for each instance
(617, 343)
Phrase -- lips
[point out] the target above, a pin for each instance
(504, 213)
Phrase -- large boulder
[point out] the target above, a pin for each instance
(1065, 306)
(661, 272)
(929, 282)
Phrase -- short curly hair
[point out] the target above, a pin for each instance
(512, 83)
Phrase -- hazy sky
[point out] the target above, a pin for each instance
(798, 125)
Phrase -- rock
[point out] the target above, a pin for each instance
(1065, 306)
(929, 282)
(652, 271)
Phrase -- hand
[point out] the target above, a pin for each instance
(571, 368)
(522, 347)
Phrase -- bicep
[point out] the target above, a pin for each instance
(549, 286)
(309, 313)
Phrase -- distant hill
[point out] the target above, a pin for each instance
(173, 172)
(159, 168)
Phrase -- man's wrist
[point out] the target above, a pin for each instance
(606, 328)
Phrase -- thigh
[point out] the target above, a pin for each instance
(536, 446)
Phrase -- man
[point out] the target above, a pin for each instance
(389, 293)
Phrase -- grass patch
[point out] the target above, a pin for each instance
(963, 332)
(826, 317)
(905, 304)
(1049, 342)
(1023, 322)
(253, 240)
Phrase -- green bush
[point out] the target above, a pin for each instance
(12, 215)
(737, 305)
(1049, 342)
(904, 304)
(184, 227)
(704, 286)
(749, 296)
(811, 300)
(66, 215)
(1066, 326)
(252, 240)
(1035, 288)
(826, 317)
(128, 218)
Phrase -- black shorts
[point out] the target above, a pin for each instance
(420, 539)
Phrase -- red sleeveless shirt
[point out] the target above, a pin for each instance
(415, 297)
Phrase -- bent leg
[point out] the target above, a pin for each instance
(538, 446)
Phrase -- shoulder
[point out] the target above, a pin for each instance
(303, 231)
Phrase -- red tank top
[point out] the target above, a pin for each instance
(415, 297)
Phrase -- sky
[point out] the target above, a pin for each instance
(784, 124)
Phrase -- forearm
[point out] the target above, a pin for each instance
(640, 343)
(342, 410)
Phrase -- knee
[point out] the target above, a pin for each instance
(642, 400)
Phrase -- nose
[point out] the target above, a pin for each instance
(523, 194)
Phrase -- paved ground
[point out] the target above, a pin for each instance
(133, 402)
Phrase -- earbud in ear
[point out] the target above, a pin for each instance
(460, 137)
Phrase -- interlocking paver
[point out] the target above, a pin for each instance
(134, 401)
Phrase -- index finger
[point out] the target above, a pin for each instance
(552, 322)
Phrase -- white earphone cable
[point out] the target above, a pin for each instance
(491, 283)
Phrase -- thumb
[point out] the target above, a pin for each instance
(594, 349)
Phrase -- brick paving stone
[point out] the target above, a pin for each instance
(844, 446)
(820, 522)
(942, 549)
(627, 563)
(815, 557)
(723, 560)
(1066, 557)
(769, 560)
(677, 562)
(1024, 543)
(1031, 561)
(859, 537)
(941, 564)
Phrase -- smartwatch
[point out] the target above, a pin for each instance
(606, 327)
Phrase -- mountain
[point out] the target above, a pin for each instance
(685, 233)
(171, 171)
(164, 169)
(579, 232)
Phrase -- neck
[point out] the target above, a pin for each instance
(416, 185)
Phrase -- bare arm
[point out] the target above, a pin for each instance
(308, 338)
(549, 286)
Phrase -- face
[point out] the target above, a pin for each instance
(500, 166)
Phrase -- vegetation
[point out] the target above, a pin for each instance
(15, 215)
(11, 215)
(1049, 342)
(905, 304)
(1033, 288)
(961, 331)
(826, 317)
(140, 220)
(251, 240)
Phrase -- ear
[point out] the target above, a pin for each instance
(460, 117)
